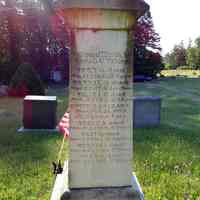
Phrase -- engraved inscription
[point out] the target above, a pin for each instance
(101, 108)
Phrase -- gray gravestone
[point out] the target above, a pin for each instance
(146, 111)
(39, 112)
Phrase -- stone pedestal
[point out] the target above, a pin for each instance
(61, 190)
(100, 96)
(121, 193)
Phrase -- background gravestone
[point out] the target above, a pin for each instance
(146, 111)
(100, 95)
(39, 112)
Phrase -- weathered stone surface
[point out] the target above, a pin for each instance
(101, 112)
(99, 103)
(99, 19)
(39, 112)
(103, 194)
(137, 5)
(146, 111)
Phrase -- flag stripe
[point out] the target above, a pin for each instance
(64, 125)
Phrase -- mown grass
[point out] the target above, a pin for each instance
(166, 158)
(25, 159)
(182, 72)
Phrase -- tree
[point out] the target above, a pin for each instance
(193, 54)
(9, 54)
(177, 57)
(197, 42)
(145, 35)
(170, 61)
(193, 57)
(180, 54)
(148, 60)
(28, 34)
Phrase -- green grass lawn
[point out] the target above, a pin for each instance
(25, 160)
(182, 72)
(166, 159)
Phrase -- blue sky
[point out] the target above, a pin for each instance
(175, 20)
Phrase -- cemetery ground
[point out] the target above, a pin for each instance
(182, 73)
(166, 158)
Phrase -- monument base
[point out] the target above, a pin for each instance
(61, 190)
(24, 130)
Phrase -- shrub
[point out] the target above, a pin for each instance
(7, 70)
(26, 82)
(148, 63)
(20, 91)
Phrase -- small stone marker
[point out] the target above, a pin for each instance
(146, 111)
(39, 112)
(100, 106)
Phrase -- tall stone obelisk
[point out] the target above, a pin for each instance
(100, 92)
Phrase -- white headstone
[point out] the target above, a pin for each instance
(101, 112)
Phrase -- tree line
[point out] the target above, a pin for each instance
(32, 32)
(184, 57)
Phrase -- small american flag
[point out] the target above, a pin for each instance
(64, 125)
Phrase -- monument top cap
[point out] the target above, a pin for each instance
(140, 6)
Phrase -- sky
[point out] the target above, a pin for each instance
(175, 20)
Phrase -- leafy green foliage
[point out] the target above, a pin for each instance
(148, 63)
(30, 31)
(193, 57)
(181, 56)
(27, 76)
(176, 58)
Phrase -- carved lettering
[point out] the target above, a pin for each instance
(101, 108)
